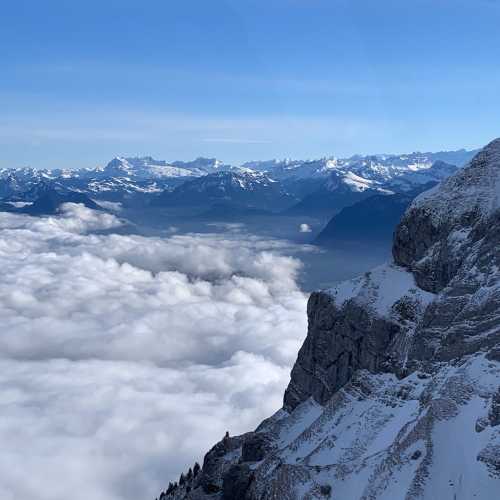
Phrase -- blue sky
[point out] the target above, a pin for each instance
(82, 82)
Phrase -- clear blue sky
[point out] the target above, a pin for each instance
(83, 81)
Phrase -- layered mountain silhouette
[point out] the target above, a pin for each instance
(46, 198)
(250, 190)
(370, 221)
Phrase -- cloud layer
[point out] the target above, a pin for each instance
(123, 358)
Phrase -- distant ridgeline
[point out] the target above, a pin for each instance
(395, 393)
(319, 188)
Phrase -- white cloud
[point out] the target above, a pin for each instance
(112, 206)
(124, 358)
(305, 228)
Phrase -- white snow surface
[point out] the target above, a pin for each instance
(380, 289)
(386, 438)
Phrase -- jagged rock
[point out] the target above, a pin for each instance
(339, 341)
(325, 490)
(434, 235)
(491, 457)
(236, 482)
(215, 463)
(494, 354)
(494, 413)
(481, 424)
(255, 447)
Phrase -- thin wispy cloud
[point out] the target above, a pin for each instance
(228, 140)
(108, 132)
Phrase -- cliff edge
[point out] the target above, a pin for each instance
(395, 392)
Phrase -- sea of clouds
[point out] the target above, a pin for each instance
(124, 358)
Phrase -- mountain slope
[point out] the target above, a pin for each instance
(370, 221)
(242, 189)
(338, 191)
(16, 181)
(395, 392)
(49, 202)
(45, 198)
(366, 177)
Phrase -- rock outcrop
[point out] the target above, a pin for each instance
(395, 392)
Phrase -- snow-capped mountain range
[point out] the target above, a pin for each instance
(125, 179)
(149, 168)
(380, 168)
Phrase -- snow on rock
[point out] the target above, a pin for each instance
(444, 228)
(380, 289)
(405, 170)
(379, 437)
(476, 188)
(124, 177)
(149, 168)
(357, 182)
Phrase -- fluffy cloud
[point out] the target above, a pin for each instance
(124, 358)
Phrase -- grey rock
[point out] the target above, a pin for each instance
(236, 482)
(494, 413)
(339, 342)
(216, 465)
(491, 457)
(255, 447)
(481, 424)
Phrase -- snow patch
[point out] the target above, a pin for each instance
(380, 289)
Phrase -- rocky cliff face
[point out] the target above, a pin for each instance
(395, 392)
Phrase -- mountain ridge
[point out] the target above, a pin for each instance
(321, 187)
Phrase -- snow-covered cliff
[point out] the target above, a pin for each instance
(395, 392)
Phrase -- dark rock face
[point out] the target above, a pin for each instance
(450, 241)
(467, 318)
(215, 466)
(434, 236)
(339, 342)
(255, 447)
(331, 197)
(407, 250)
(236, 482)
(494, 414)
(371, 220)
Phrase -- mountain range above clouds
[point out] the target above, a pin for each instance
(320, 186)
